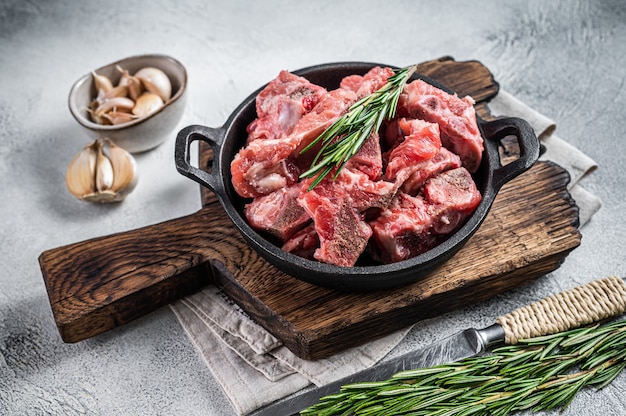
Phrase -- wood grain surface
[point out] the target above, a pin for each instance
(105, 282)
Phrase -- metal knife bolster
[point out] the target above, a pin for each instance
(482, 339)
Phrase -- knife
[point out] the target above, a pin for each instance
(582, 305)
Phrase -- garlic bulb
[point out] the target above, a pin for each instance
(101, 172)
(138, 95)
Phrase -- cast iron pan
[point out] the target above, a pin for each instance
(227, 140)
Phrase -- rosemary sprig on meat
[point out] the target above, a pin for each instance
(346, 136)
(541, 373)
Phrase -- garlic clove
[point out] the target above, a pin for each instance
(101, 82)
(147, 104)
(96, 118)
(115, 103)
(101, 172)
(124, 170)
(118, 91)
(104, 170)
(134, 85)
(118, 117)
(79, 177)
(155, 81)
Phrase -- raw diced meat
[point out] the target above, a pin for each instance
(454, 195)
(368, 83)
(257, 169)
(413, 225)
(456, 118)
(263, 167)
(303, 243)
(369, 158)
(395, 204)
(402, 231)
(343, 234)
(332, 106)
(417, 174)
(354, 185)
(335, 104)
(420, 141)
(336, 207)
(278, 213)
(281, 104)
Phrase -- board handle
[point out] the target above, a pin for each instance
(104, 282)
(582, 305)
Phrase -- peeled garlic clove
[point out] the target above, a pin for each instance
(155, 81)
(135, 88)
(101, 172)
(101, 82)
(115, 103)
(147, 104)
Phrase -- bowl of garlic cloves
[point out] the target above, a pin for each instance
(134, 102)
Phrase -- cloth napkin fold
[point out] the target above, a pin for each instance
(254, 368)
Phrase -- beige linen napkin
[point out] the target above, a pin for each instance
(558, 150)
(254, 368)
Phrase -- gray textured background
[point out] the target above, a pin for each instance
(567, 59)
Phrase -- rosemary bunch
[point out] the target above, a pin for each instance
(343, 139)
(540, 373)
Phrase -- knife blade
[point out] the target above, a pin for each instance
(598, 300)
(464, 344)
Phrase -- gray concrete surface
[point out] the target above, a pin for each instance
(567, 59)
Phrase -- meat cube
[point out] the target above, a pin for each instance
(365, 85)
(268, 162)
(455, 116)
(453, 196)
(416, 175)
(369, 158)
(263, 166)
(402, 231)
(278, 213)
(281, 104)
(342, 233)
(337, 208)
(303, 243)
(418, 141)
(412, 225)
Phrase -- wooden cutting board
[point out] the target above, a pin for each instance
(96, 285)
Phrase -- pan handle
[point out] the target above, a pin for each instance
(529, 147)
(182, 151)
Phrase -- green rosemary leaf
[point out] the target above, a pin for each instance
(605, 377)
(345, 137)
(550, 348)
(555, 368)
(470, 380)
(511, 379)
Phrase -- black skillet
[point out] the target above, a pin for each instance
(227, 140)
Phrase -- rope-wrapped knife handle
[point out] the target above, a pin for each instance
(582, 305)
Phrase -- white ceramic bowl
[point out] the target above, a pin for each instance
(144, 133)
